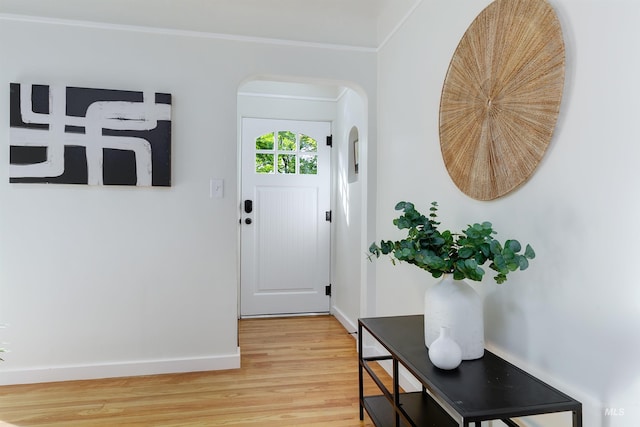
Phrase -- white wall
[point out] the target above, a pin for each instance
(106, 281)
(348, 225)
(573, 317)
(90, 287)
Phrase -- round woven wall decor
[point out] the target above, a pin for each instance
(501, 97)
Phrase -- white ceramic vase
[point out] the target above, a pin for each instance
(457, 306)
(444, 352)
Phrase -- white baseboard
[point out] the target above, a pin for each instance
(113, 370)
(349, 325)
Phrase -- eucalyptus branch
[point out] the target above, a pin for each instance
(461, 254)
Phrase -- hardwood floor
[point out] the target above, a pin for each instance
(295, 372)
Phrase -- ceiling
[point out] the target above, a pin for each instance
(357, 23)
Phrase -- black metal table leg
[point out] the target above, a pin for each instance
(360, 379)
(396, 391)
(577, 418)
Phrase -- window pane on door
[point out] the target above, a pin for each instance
(264, 163)
(308, 164)
(265, 142)
(308, 144)
(286, 141)
(287, 163)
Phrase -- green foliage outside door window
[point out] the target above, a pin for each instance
(285, 152)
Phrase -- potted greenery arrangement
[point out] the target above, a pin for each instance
(455, 257)
(461, 255)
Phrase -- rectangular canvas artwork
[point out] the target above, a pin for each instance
(72, 135)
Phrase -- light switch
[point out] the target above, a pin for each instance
(216, 188)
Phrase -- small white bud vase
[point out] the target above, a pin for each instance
(455, 304)
(444, 352)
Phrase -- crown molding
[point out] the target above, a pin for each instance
(182, 33)
(399, 25)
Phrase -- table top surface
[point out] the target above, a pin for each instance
(485, 388)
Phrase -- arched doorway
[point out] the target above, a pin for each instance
(345, 109)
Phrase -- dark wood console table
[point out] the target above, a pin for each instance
(488, 388)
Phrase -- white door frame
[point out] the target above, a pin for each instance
(286, 247)
(367, 202)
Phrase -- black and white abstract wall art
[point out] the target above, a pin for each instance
(72, 135)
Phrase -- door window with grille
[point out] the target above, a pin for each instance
(286, 152)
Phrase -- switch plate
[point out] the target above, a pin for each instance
(216, 188)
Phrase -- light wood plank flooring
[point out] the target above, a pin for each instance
(299, 371)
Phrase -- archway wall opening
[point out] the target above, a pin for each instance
(345, 105)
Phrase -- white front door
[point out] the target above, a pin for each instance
(285, 232)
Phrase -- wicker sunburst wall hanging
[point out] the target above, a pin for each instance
(501, 97)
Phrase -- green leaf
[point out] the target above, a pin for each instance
(386, 247)
(499, 263)
(495, 247)
(508, 254)
(471, 264)
(529, 252)
(465, 252)
(480, 258)
(472, 233)
(438, 241)
(402, 205)
(458, 275)
(374, 249)
(512, 266)
(514, 245)
(485, 248)
(402, 222)
(523, 263)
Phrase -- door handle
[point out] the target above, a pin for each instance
(248, 206)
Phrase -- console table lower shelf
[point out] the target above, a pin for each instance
(420, 408)
(488, 388)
